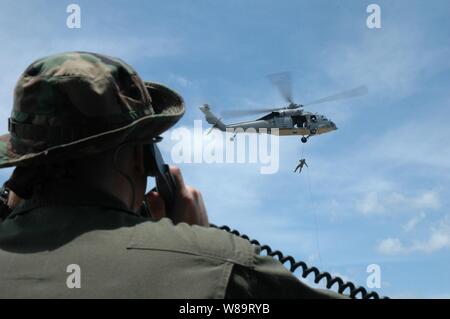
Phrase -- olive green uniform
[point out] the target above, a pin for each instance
(122, 255)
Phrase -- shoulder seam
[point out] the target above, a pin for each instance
(180, 251)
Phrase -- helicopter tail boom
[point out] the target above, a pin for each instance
(211, 118)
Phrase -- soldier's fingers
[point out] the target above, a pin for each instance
(200, 210)
(13, 199)
(156, 205)
(204, 214)
(176, 172)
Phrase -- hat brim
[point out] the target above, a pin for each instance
(168, 106)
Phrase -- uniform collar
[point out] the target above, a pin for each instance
(68, 193)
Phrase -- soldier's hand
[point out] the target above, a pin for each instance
(188, 207)
(13, 199)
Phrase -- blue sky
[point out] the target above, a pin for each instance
(375, 190)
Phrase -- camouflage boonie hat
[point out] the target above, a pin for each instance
(79, 103)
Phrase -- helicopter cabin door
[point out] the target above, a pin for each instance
(283, 122)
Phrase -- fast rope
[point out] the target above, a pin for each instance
(316, 224)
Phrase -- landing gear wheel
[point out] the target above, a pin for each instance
(304, 140)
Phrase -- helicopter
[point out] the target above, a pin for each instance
(284, 121)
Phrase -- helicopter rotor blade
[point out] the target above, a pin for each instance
(283, 82)
(358, 91)
(236, 113)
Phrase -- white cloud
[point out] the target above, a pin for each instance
(413, 222)
(370, 204)
(438, 239)
(424, 200)
(427, 200)
(394, 202)
(390, 246)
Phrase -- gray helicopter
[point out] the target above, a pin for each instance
(289, 120)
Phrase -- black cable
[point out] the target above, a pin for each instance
(330, 281)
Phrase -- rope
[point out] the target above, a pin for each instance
(316, 224)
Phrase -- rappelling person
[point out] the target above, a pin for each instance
(300, 165)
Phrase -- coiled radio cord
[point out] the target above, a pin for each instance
(342, 286)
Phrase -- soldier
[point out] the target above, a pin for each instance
(77, 133)
(300, 165)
